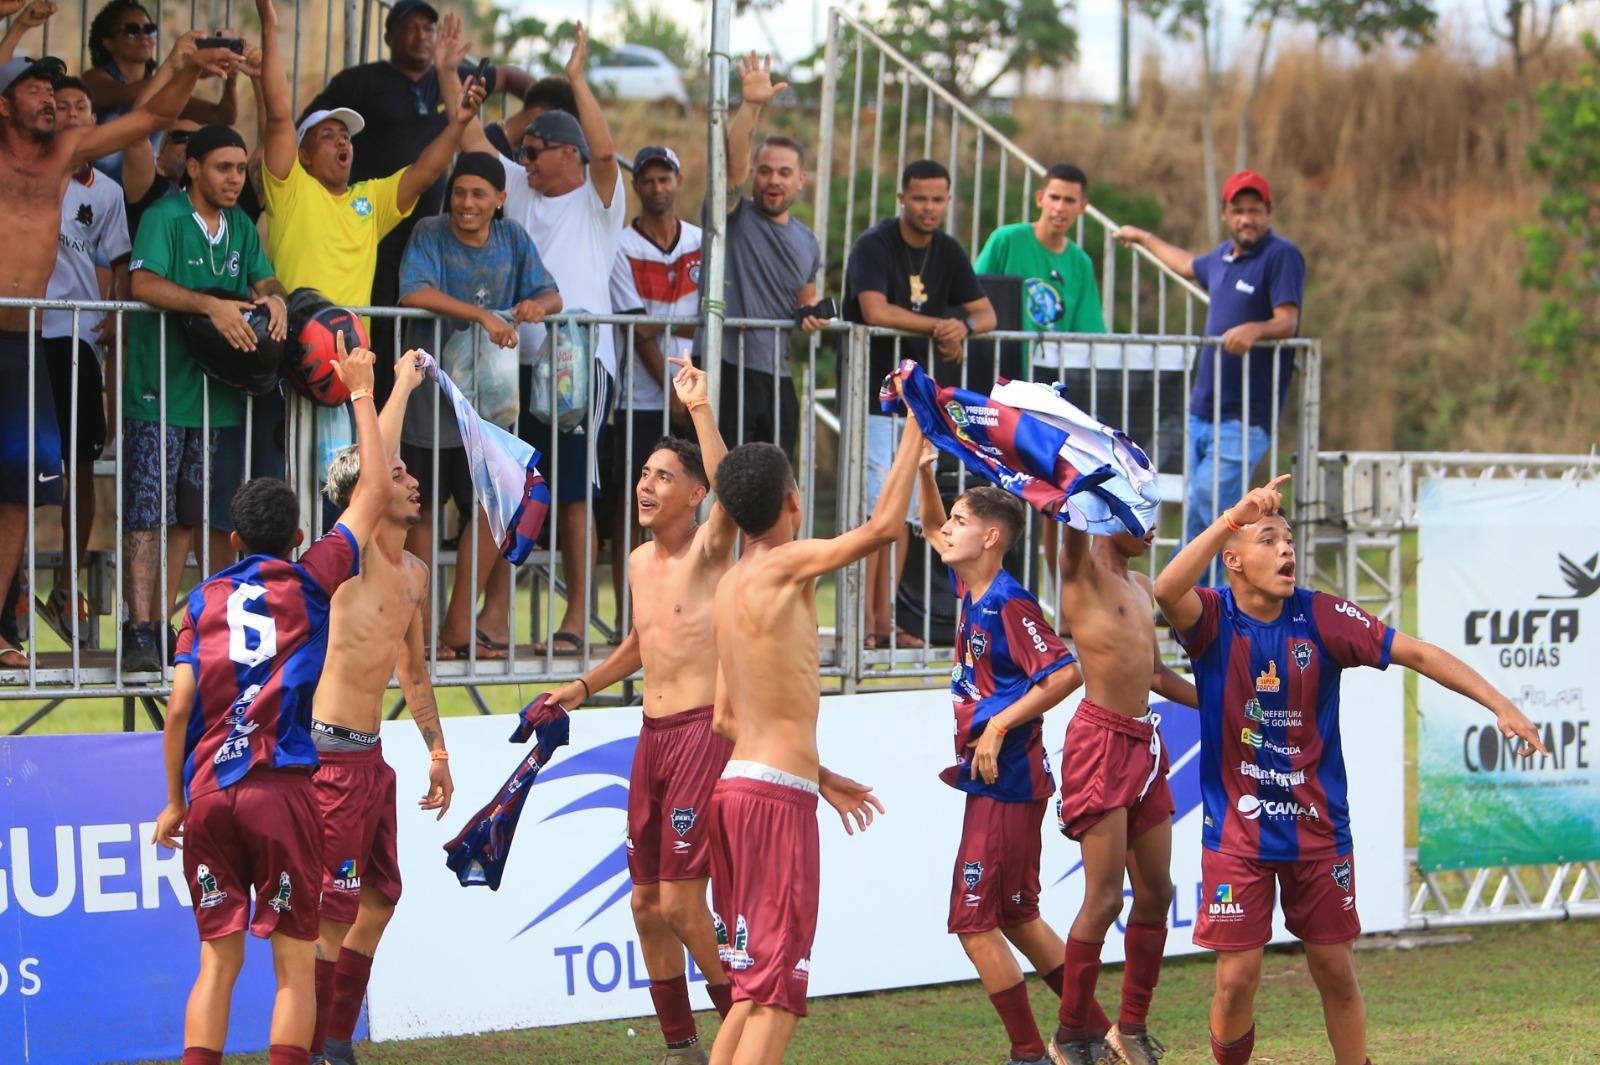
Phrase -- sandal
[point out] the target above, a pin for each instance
(572, 645)
(493, 645)
(5, 663)
(876, 641)
(906, 640)
(460, 653)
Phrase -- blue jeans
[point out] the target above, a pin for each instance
(1214, 452)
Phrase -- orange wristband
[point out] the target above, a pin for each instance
(1233, 526)
(998, 729)
(697, 404)
(441, 755)
(360, 393)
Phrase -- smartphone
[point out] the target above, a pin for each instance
(482, 73)
(232, 44)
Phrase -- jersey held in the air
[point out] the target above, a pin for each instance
(1271, 757)
(1004, 647)
(256, 636)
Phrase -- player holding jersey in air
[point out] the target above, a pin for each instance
(1115, 800)
(1267, 657)
(1010, 668)
(238, 748)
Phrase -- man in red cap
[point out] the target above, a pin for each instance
(1255, 280)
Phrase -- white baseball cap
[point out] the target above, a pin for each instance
(352, 121)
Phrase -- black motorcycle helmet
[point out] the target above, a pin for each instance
(254, 373)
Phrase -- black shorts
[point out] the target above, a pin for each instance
(16, 472)
(752, 397)
(455, 476)
(91, 420)
(564, 456)
(266, 454)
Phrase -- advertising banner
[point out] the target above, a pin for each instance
(1507, 580)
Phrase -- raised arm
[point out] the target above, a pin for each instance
(1174, 588)
(435, 158)
(36, 14)
(602, 152)
(161, 109)
(415, 685)
(408, 376)
(369, 500)
(279, 148)
(719, 533)
(757, 90)
(930, 505)
(1446, 670)
(1174, 258)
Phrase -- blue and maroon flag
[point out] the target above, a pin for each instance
(505, 474)
(1029, 440)
(478, 855)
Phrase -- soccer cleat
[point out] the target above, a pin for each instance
(1083, 1052)
(1137, 1048)
(691, 1055)
(141, 652)
(339, 1052)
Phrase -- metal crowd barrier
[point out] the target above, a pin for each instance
(1134, 381)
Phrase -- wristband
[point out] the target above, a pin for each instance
(441, 755)
(998, 729)
(587, 694)
(1233, 526)
(696, 404)
(360, 393)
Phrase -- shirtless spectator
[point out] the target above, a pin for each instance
(673, 578)
(375, 630)
(763, 822)
(36, 162)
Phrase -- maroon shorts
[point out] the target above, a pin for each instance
(261, 834)
(1319, 901)
(1106, 765)
(356, 792)
(675, 769)
(997, 866)
(764, 878)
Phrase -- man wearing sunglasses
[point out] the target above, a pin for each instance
(36, 162)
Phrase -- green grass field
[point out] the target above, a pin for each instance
(1514, 994)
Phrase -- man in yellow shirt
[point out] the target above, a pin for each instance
(323, 232)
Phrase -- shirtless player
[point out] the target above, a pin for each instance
(375, 631)
(36, 162)
(673, 577)
(764, 861)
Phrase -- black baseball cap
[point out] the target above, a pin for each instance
(404, 8)
(656, 152)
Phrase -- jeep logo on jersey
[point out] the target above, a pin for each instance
(1341, 875)
(1302, 654)
(971, 874)
(682, 820)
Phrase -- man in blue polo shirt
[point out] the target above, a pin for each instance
(1256, 281)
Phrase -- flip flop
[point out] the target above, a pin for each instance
(876, 641)
(493, 645)
(6, 663)
(571, 641)
(904, 639)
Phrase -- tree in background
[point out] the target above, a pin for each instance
(1363, 23)
(654, 27)
(1563, 251)
(1528, 26)
(955, 41)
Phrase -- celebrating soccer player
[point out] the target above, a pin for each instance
(1267, 657)
(238, 748)
(1010, 668)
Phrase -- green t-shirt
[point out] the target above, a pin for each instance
(1059, 294)
(172, 244)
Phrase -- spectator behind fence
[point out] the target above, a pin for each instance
(553, 93)
(189, 251)
(36, 162)
(485, 275)
(656, 272)
(122, 50)
(568, 194)
(405, 106)
(773, 261)
(1256, 281)
(150, 173)
(906, 273)
(94, 237)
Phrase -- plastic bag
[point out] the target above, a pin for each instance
(561, 374)
(485, 373)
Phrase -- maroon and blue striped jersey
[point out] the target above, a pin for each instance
(256, 635)
(1272, 776)
(1004, 648)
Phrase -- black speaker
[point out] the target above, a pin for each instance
(1005, 293)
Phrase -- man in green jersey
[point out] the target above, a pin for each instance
(187, 249)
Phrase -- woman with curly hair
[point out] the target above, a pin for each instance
(122, 51)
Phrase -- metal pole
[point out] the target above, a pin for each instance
(830, 87)
(716, 232)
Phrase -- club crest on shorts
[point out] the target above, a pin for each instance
(280, 901)
(1341, 874)
(682, 819)
(971, 874)
(209, 894)
(1302, 653)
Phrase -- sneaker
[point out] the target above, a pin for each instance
(1137, 1048)
(141, 653)
(1083, 1052)
(690, 1055)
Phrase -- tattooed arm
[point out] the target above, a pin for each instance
(412, 669)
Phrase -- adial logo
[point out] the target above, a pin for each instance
(1252, 808)
(1222, 904)
(280, 901)
(1253, 711)
(1341, 875)
(1268, 682)
(682, 820)
(957, 412)
(1302, 654)
(348, 877)
(209, 894)
(736, 954)
(361, 206)
(971, 874)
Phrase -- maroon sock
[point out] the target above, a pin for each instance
(349, 988)
(1052, 979)
(1236, 1052)
(1143, 945)
(325, 971)
(671, 998)
(1081, 1016)
(1015, 1013)
(278, 1054)
(201, 1056)
(721, 997)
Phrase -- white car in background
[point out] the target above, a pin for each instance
(638, 72)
